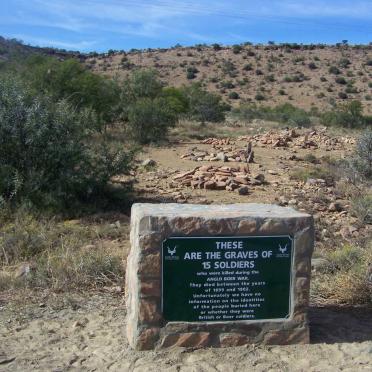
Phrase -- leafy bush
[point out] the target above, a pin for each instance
(204, 106)
(150, 119)
(361, 207)
(233, 95)
(141, 84)
(286, 114)
(44, 154)
(349, 115)
(342, 95)
(363, 152)
(259, 97)
(237, 49)
(334, 70)
(71, 81)
(341, 80)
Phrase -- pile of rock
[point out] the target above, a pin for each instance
(220, 178)
(218, 141)
(290, 138)
(225, 154)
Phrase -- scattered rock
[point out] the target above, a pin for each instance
(149, 163)
(243, 190)
(335, 207)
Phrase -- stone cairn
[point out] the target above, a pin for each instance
(219, 178)
(221, 152)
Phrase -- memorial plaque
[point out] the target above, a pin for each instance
(222, 279)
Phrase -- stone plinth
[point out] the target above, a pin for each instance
(151, 224)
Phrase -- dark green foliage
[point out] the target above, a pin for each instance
(341, 80)
(150, 119)
(237, 49)
(71, 81)
(334, 70)
(204, 106)
(312, 66)
(229, 68)
(190, 75)
(363, 153)
(259, 97)
(344, 63)
(141, 84)
(216, 47)
(248, 67)
(234, 95)
(45, 156)
(349, 115)
(342, 95)
(286, 114)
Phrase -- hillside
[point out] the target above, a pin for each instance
(312, 76)
(13, 49)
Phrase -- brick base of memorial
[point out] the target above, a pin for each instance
(218, 275)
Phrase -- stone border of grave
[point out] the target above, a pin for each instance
(151, 224)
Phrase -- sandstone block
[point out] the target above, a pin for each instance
(152, 224)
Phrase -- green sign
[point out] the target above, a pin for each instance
(219, 279)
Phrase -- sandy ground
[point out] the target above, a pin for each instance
(88, 334)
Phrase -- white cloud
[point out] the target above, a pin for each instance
(46, 42)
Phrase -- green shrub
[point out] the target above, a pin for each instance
(45, 156)
(286, 114)
(341, 80)
(190, 75)
(259, 97)
(344, 62)
(334, 70)
(361, 208)
(248, 67)
(237, 49)
(342, 95)
(363, 152)
(204, 106)
(150, 119)
(233, 95)
(141, 84)
(71, 81)
(349, 115)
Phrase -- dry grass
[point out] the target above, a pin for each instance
(345, 279)
(61, 255)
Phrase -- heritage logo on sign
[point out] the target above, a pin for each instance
(283, 251)
(171, 254)
(226, 278)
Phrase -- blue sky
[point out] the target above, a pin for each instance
(99, 25)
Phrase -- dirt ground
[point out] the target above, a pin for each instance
(84, 333)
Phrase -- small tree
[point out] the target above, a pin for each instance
(204, 106)
(150, 119)
(45, 156)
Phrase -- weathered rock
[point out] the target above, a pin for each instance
(243, 190)
(335, 207)
(149, 163)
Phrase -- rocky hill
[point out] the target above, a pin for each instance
(308, 76)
